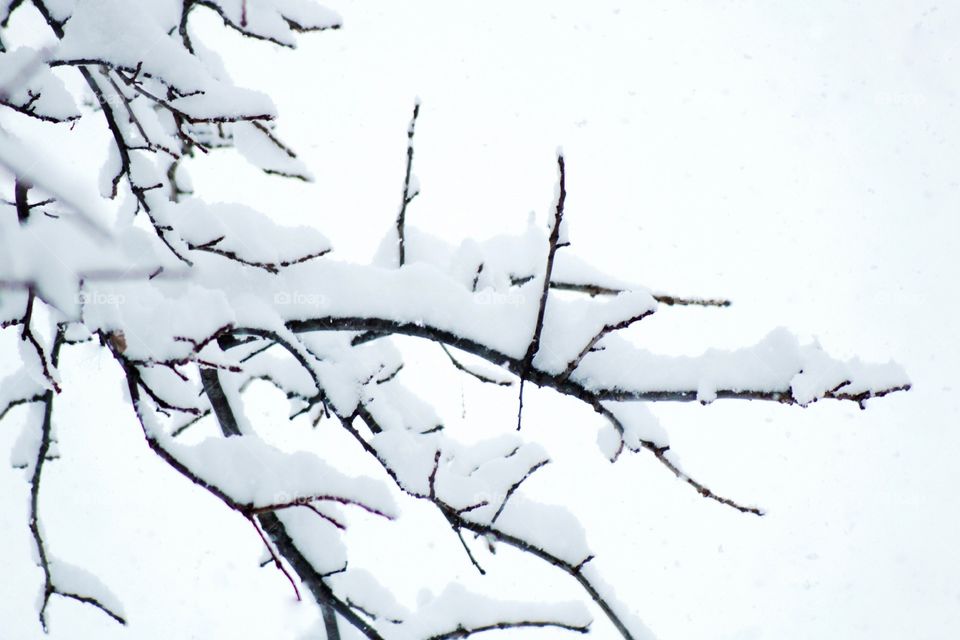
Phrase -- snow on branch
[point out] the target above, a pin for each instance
(253, 473)
(27, 85)
(274, 20)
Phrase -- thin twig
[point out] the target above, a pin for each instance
(554, 242)
(407, 196)
(476, 374)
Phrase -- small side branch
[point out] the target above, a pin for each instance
(671, 301)
(20, 190)
(274, 558)
(27, 335)
(463, 632)
(594, 290)
(407, 195)
(50, 586)
(269, 267)
(16, 402)
(476, 374)
(459, 521)
(516, 485)
(271, 526)
(554, 243)
(661, 454)
(609, 328)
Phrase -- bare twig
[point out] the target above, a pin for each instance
(554, 243)
(50, 587)
(273, 556)
(476, 374)
(270, 267)
(463, 632)
(407, 196)
(608, 328)
(516, 485)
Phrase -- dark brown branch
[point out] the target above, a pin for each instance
(385, 326)
(574, 570)
(663, 298)
(273, 556)
(93, 602)
(241, 26)
(28, 110)
(270, 267)
(670, 301)
(120, 141)
(26, 334)
(273, 527)
(194, 420)
(323, 594)
(320, 514)
(265, 130)
(166, 104)
(458, 522)
(50, 587)
(661, 455)
(566, 386)
(20, 189)
(513, 488)
(407, 196)
(594, 290)
(554, 243)
(268, 522)
(463, 632)
(15, 403)
(218, 402)
(479, 376)
(297, 502)
(132, 117)
(609, 328)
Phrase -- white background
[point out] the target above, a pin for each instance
(798, 158)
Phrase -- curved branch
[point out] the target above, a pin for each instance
(563, 384)
(476, 374)
(385, 326)
(50, 587)
(458, 521)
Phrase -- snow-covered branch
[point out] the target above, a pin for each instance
(195, 301)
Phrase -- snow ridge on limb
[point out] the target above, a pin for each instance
(275, 20)
(27, 85)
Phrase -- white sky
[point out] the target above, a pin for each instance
(799, 158)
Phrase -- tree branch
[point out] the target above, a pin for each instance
(463, 632)
(50, 587)
(407, 196)
(458, 521)
(554, 242)
(476, 374)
